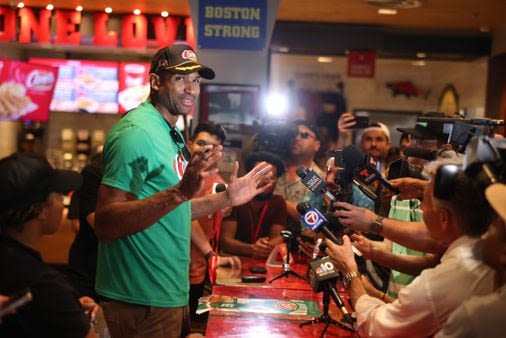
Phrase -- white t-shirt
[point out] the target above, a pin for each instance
(483, 316)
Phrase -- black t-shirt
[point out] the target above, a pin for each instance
(55, 310)
(83, 252)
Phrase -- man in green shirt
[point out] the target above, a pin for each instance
(147, 200)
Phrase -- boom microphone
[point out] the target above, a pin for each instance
(316, 221)
(220, 187)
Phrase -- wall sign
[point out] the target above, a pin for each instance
(361, 63)
(232, 24)
(133, 34)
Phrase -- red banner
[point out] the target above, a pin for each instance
(361, 63)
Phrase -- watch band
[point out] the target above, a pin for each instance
(348, 277)
(377, 226)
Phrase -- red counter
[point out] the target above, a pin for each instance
(254, 325)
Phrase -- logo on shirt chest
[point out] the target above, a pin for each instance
(179, 166)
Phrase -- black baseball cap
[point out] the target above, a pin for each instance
(179, 59)
(28, 178)
(428, 130)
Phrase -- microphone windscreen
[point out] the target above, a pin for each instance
(301, 171)
(353, 156)
(220, 187)
(302, 207)
(420, 153)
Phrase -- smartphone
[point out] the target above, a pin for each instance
(253, 279)
(16, 301)
(257, 269)
(361, 122)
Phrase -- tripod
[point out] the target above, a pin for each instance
(325, 317)
(287, 235)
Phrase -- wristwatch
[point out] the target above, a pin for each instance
(348, 277)
(377, 225)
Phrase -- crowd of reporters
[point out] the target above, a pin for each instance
(430, 236)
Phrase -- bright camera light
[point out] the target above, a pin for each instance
(276, 104)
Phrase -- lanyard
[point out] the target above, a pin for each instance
(255, 231)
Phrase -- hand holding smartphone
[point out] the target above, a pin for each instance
(16, 301)
(361, 122)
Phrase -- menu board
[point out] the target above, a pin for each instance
(133, 85)
(84, 86)
(25, 90)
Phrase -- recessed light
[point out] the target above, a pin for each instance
(108, 10)
(21, 4)
(419, 63)
(324, 59)
(421, 55)
(137, 11)
(50, 7)
(164, 14)
(387, 11)
(79, 8)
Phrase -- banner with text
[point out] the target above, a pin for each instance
(225, 24)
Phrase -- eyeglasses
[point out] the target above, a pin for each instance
(305, 135)
(183, 151)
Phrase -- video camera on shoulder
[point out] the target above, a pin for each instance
(461, 131)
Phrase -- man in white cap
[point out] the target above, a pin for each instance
(484, 316)
(375, 138)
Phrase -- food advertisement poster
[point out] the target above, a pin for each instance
(84, 86)
(25, 90)
(133, 85)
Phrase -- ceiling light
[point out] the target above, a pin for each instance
(421, 55)
(79, 8)
(284, 49)
(21, 4)
(137, 11)
(324, 59)
(164, 14)
(50, 7)
(419, 63)
(387, 11)
(108, 10)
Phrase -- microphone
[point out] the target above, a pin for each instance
(429, 155)
(322, 275)
(314, 182)
(366, 167)
(316, 221)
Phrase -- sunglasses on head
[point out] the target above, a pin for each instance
(183, 150)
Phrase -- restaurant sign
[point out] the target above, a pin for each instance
(134, 28)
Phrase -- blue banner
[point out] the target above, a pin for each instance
(226, 24)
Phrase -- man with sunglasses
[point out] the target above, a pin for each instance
(455, 212)
(304, 147)
(147, 199)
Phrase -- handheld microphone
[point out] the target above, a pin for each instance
(314, 182)
(425, 154)
(316, 221)
(322, 275)
(366, 167)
